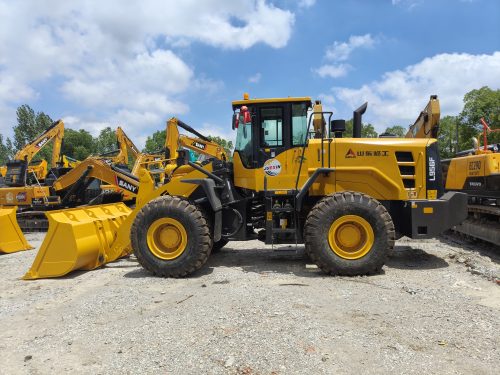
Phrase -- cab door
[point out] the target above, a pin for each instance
(273, 130)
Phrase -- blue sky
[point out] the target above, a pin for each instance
(137, 64)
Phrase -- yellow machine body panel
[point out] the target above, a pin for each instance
(477, 175)
(471, 166)
(365, 165)
(39, 169)
(3, 171)
(11, 237)
(23, 196)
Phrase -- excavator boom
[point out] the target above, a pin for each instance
(55, 132)
(427, 123)
(202, 144)
(124, 144)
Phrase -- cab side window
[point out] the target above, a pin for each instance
(299, 124)
(271, 122)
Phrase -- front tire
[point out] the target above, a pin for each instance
(171, 237)
(349, 234)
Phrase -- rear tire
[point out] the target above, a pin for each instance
(171, 237)
(349, 234)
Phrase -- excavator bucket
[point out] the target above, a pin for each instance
(78, 239)
(11, 238)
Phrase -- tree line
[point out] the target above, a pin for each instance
(79, 144)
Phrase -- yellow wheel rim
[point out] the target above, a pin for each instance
(167, 238)
(351, 237)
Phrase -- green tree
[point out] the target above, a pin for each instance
(396, 130)
(29, 126)
(483, 102)
(155, 142)
(226, 145)
(6, 150)
(78, 144)
(447, 136)
(106, 141)
(367, 130)
(80, 152)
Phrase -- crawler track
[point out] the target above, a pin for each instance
(483, 223)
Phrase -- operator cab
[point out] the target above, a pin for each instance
(268, 127)
(17, 171)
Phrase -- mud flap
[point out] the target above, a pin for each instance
(11, 237)
(79, 239)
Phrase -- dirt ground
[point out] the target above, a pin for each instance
(253, 310)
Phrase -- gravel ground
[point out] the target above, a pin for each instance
(255, 310)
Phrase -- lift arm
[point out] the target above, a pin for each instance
(427, 123)
(95, 168)
(55, 132)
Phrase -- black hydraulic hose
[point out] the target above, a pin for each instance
(188, 128)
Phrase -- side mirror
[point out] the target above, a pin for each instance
(235, 121)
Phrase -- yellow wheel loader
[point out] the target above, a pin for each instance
(289, 183)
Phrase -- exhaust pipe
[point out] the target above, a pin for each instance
(356, 120)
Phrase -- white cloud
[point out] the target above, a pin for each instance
(327, 100)
(255, 78)
(118, 56)
(410, 4)
(306, 3)
(341, 51)
(333, 70)
(399, 96)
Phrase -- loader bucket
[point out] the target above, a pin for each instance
(78, 239)
(11, 236)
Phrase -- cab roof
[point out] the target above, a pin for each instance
(239, 103)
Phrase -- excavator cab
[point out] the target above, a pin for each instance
(16, 175)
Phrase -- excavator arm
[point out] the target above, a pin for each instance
(427, 123)
(54, 132)
(201, 144)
